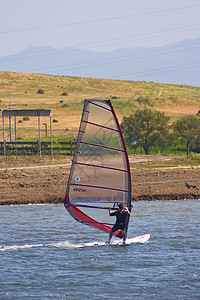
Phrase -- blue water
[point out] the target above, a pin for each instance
(43, 255)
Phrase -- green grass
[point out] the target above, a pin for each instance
(170, 150)
(48, 139)
(124, 106)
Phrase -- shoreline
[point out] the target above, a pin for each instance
(60, 202)
(47, 185)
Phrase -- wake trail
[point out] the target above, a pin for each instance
(57, 245)
(143, 239)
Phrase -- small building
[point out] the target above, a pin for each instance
(26, 113)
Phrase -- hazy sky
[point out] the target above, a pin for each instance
(97, 25)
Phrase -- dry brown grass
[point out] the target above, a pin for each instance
(21, 91)
(178, 111)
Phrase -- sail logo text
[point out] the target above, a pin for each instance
(79, 190)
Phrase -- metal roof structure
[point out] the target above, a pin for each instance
(26, 112)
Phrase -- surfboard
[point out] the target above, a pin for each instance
(135, 240)
(142, 239)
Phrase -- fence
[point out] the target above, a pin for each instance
(33, 148)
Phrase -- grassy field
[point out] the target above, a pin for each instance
(65, 95)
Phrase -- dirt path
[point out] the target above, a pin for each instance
(36, 167)
(47, 184)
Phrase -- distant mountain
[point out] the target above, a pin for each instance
(176, 63)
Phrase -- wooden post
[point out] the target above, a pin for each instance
(176, 150)
(45, 124)
(4, 150)
(15, 139)
(39, 136)
(4, 141)
(71, 146)
(10, 125)
(51, 138)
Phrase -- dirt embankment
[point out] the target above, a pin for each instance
(47, 184)
(166, 184)
(33, 185)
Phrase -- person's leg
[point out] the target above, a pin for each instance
(124, 235)
(115, 228)
(110, 236)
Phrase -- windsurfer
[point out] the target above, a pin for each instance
(122, 216)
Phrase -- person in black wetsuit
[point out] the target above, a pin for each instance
(122, 215)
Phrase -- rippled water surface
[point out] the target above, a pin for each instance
(43, 255)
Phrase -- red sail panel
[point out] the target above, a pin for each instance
(81, 217)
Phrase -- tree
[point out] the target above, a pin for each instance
(188, 129)
(147, 128)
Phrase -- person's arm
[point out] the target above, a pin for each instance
(110, 213)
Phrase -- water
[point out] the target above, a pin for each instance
(43, 255)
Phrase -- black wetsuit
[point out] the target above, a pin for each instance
(120, 223)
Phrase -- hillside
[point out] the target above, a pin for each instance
(20, 91)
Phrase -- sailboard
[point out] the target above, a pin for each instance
(100, 173)
(136, 240)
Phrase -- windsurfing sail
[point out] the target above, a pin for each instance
(100, 174)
